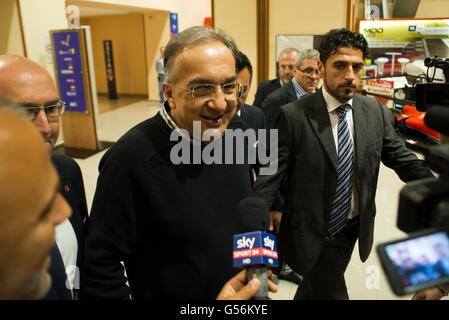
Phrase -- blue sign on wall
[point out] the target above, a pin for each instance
(173, 23)
(69, 70)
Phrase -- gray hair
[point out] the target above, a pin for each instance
(288, 50)
(306, 54)
(188, 38)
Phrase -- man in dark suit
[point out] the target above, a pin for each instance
(286, 61)
(330, 147)
(252, 117)
(305, 80)
(26, 82)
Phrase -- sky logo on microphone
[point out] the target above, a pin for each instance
(255, 248)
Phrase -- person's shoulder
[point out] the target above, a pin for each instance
(308, 101)
(269, 83)
(61, 161)
(252, 110)
(279, 94)
(370, 101)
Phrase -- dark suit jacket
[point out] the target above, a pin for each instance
(58, 289)
(264, 89)
(308, 158)
(252, 117)
(271, 106)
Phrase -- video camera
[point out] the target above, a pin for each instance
(422, 260)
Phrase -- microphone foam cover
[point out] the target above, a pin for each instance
(252, 215)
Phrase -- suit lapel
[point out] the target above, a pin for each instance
(291, 91)
(360, 129)
(319, 119)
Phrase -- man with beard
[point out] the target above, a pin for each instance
(330, 147)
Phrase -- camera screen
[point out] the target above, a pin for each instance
(420, 260)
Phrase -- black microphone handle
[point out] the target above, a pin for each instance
(260, 272)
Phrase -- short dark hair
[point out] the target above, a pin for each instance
(341, 38)
(242, 62)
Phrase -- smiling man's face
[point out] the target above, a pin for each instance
(207, 63)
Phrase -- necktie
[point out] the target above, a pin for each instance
(342, 201)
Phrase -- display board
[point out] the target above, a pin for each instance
(67, 53)
(75, 85)
(284, 41)
(414, 39)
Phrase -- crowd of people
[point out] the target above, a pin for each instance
(159, 230)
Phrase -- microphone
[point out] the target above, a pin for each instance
(255, 249)
(437, 118)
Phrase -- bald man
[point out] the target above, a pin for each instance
(30, 208)
(26, 82)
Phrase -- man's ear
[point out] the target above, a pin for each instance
(321, 68)
(169, 94)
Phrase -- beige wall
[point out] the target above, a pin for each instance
(433, 9)
(10, 29)
(38, 17)
(242, 26)
(285, 17)
(191, 12)
(302, 17)
(128, 45)
(157, 31)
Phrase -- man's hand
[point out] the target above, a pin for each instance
(275, 221)
(235, 288)
(432, 293)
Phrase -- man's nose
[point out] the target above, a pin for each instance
(350, 74)
(41, 123)
(220, 101)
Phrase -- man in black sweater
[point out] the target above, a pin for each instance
(169, 222)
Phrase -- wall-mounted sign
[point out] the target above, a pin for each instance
(174, 23)
(69, 70)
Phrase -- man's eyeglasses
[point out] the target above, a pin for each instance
(207, 91)
(52, 111)
(310, 71)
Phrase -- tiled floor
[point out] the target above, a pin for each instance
(365, 280)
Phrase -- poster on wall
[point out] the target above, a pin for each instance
(284, 41)
(173, 24)
(412, 39)
(110, 71)
(67, 55)
(293, 41)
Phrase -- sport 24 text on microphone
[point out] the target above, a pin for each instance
(255, 249)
